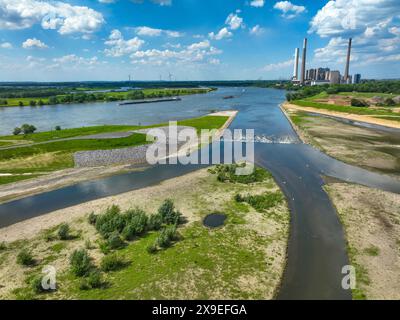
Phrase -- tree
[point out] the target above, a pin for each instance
(58, 128)
(32, 103)
(21, 104)
(53, 100)
(17, 131)
(28, 128)
(40, 103)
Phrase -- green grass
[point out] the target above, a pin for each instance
(339, 108)
(367, 95)
(61, 152)
(14, 102)
(11, 179)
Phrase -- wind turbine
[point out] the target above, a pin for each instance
(170, 76)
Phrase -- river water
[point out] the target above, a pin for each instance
(317, 248)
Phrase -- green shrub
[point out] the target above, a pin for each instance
(36, 285)
(3, 246)
(57, 128)
(93, 281)
(135, 223)
(358, 103)
(261, 202)
(168, 213)
(166, 237)
(81, 263)
(114, 241)
(390, 102)
(227, 173)
(17, 131)
(112, 263)
(111, 221)
(155, 222)
(63, 232)
(152, 248)
(25, 258)
(88, 245)
(92, 219)
(104, 248)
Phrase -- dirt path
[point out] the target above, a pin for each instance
(349, 116)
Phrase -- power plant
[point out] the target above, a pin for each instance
(296, 65)
(321, 76)
(303, 62)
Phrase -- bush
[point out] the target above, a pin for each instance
(227, 173)
(58, 128)
(3, 246)
(92, 219)
(114, 241)
(111, 221)
(104, 248)
(25, 258)
(166, 237)
(36, 285)
(17, 131)
(152, 248)
(136, 222)
(155, 222)
(112, 263)
(168, 213)
(390, 102)
(81, 263)
(21, 104)
(28, 128)
(358, 103)
(63, 232)
(261, 202)
(93, 281)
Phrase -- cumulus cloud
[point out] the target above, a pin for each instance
(152, 32)
(197, 52)
(34, 43)
(221, 34)
(6, 45)
(373, 25)
(57, 15)
(119, 46)
(257, 3)
(278, 66)
(288, 9)
(234, 21)
(257, 30)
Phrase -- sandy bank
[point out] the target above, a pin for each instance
(349, 116)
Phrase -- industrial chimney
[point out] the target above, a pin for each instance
(346, 72)
(296, 65)
(303, 62)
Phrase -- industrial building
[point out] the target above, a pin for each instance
(321, 76)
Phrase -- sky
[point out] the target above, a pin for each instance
(110, 40)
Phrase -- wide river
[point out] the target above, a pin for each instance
(317, 248)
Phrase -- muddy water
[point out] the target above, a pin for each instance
(317, 250)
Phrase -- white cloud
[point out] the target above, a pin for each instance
(194, 53)
(107, 1)
(234, 21)
(257, 3)
(257, 30)
(119, 46)
(223, 33)
(6, 45)
(57, 15)
(278, 66)
(373, 25)
(289, 10)
(152, 32)
(34, 43)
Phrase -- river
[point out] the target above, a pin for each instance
(317, 247)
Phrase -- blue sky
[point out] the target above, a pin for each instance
(193, 39)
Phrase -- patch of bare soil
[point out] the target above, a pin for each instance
(371, 219)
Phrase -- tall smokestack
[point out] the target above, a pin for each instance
(296, 65)
(303, 62)
(346, 72)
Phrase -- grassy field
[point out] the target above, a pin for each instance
(244, 259)
(148, 93)
(339, 108)
(58, 155)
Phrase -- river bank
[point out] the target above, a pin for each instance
(87, 170)
(244, 259)
(374, 148)
(371, 220)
